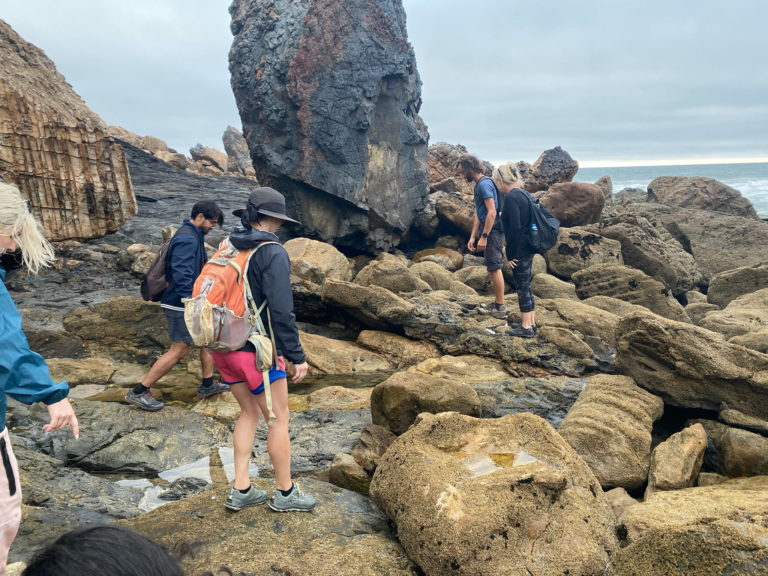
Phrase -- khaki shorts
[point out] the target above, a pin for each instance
(494, 251)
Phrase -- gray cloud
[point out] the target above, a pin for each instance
(507, 79)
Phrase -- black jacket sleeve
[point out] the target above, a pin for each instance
(269, 276)
(511, 220)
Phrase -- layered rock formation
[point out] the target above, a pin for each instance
(691, 367)
(203, 160)
(610, 427)
(237, 152)
(56, 150)
(329, 95)
(717, 241)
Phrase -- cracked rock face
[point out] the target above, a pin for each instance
(329, 94)
(56, 150)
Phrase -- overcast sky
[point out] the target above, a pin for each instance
(610, 82)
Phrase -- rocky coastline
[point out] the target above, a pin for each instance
(652, 389)
(628, 437)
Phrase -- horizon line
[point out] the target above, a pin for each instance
(670, 162)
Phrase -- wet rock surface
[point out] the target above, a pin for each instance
(345, 534)
(122, 438)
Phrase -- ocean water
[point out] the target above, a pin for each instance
(749, 179)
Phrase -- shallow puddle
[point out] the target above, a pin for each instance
(481, 464)
(200, 470)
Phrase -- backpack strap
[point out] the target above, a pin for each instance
(255, 312)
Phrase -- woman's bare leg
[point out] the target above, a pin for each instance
(245, 432)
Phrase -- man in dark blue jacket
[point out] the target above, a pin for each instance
(183, 263)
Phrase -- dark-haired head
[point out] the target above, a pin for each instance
(469, 164)
(264, 201)
(210, 210)
(103, 550)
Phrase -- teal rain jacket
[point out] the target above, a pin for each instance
(24, 374)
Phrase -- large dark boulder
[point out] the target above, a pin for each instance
(553, 166)
(329, 94)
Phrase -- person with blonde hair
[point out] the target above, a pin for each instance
(516, 218)
(24, 374)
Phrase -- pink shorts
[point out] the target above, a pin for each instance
(10, 498)
(240, 366)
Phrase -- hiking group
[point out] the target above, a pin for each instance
(25, 377)
(238, 308)
(516, 224)
(251, 269)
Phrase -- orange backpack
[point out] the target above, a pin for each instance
(221, 314)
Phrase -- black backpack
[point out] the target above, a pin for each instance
(542, 233)
(153, 283)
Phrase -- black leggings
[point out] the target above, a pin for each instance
(522, 275)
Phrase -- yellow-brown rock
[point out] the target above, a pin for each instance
(396, 402)
(610, 427)
(455, 257)
(493, 496)
(706, 531)
(315, 261)
(57, 151)
(675, 463)
(399, 350)
(340, 357)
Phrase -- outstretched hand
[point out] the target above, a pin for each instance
(62, 415)
(300, 372)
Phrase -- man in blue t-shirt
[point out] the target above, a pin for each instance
(487, 235)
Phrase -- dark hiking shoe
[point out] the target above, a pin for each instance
(515, 325)
(145, 401)
(521, 332)
(236, 500)
(215, 388)
(296, 501)
(493, 309)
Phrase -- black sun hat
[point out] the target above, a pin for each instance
(267, 201)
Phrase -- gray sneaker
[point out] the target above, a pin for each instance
(144, 401)
(296, 501)
(215, 388)
(516, 325)
(236, 500)
(493, 309)
(521, 332)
